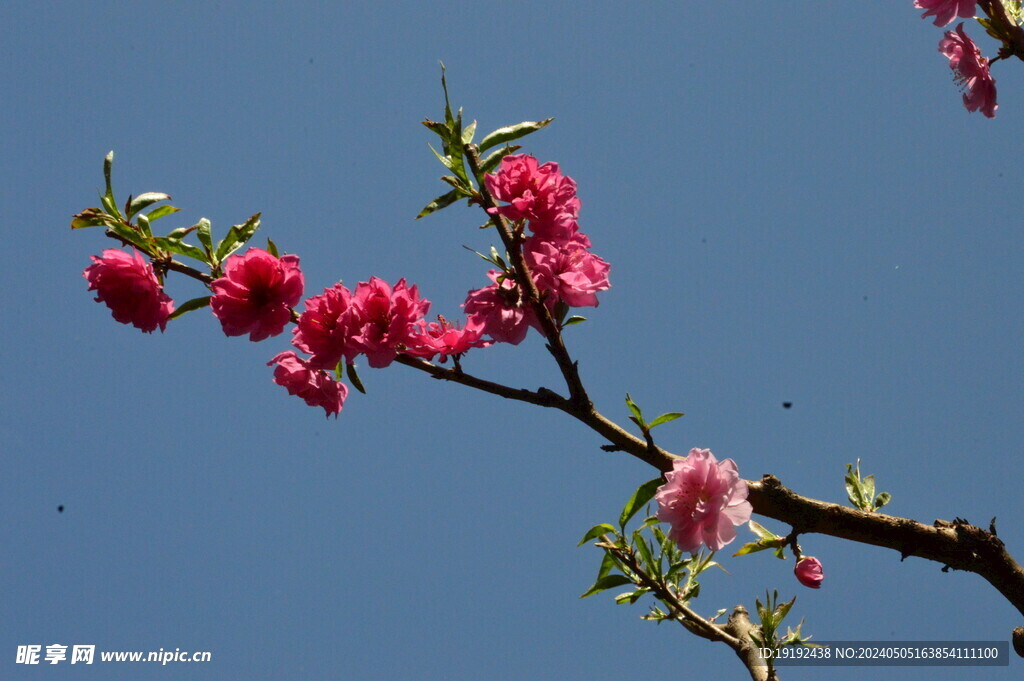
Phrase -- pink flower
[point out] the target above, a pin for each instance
(945, 11)
(499, 311)
(540, 194)
(703, 500)
(256, 294)
(972, 71)
(325, 329)
(386, 319)
(808, 572)
(567, 269)
(129, 287)
(446, 338)
(314, 386)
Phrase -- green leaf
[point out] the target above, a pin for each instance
(181, 232)
(143, 200)
(869, 488)
(204, 235)
(440, 202)
(665, 418)
(189, 305)
(458, 184)
(607, 563)
(595, 532)
(646, 555)
(180, 247)
(575, 319)
(354, 377)
(512, 132)
(752, 547)
(638, 417)
(127, 234)
(440, 129)
(607, 582)
(108, 198)
(161, 211)
(468, 132)
(491, 161)
(91, 217)
(271, 248)
(143, 224)
(446, 161)
(236, 237)
(783, 610)
(882, 499)
(643, 494)
(760, 531)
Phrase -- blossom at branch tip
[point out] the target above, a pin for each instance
(538, 193)
(499, 310)
(446, 338)
(971, 71)
(129, 287)
(946, 11)
(315, 386)
(808, 572)
(567, 269)
(257, 293)
(703, 500)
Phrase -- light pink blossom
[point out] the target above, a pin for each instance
(257, 293)
(971, 71)
(945, 11)
(808, 572)
(446, 338)
(129, 287)
(386, 319)
(315, 386)
(703, 500)
(567, 269)
(499, 311)
(326, 328)
(540, 194)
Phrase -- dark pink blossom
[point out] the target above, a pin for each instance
(315, 386)
(540, 194)
(326, 328)
(808, 572)
(499, 311)
(945, 11)
(567, 269)
(703, 500)
(446, 338)
(971, 71)
(385, 319)
(257, 293)
(129, 287)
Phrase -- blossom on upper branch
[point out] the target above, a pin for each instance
(129, 287)
(703, 500)
(313, 385)
(945, 11)
(499, 310)
(540, 194)
(971, 71)
(257, 293)
(567, 270)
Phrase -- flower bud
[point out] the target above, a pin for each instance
(808, 572)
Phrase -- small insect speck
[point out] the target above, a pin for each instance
(60, 509)
(865, 297)
(787, 405)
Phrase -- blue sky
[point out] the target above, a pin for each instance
(796, 208)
